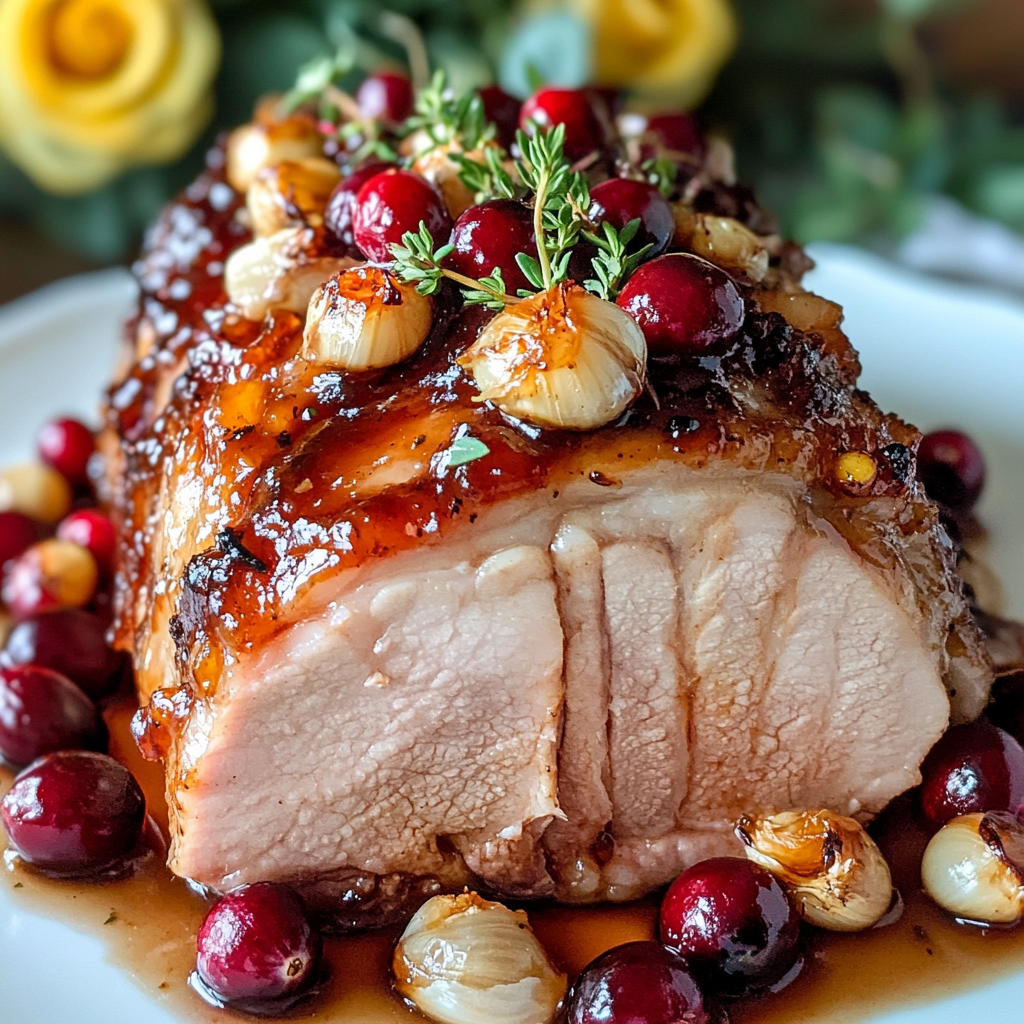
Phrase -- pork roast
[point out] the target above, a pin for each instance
(564, 668)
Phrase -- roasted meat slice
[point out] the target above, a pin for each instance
(562, 665)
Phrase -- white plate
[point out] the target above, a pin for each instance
(940, 354)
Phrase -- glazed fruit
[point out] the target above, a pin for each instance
(51, 574)
(392, 203)
(684, 305)
(620, 200)
(69, 641)
(734, 925)
(385, 96)
(502, 110)
(74, 813)
(974, 767)
(489, 236)
(338, 214)
(67, 446)
(92, 530)
(257, 947)
(638, 983)
(42, 711)
(952, 469)
(677, 136)
(572, 107)
(18, 532)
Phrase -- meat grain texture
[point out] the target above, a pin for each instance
(563, 669)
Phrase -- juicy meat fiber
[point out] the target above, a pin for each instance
(562, 669)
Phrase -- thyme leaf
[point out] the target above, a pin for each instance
(448, 119)
(465, 449)
(612, 264)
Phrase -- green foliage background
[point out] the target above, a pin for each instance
(837, 116)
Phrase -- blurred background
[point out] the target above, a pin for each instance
(893, 124)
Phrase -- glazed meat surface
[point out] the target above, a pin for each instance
(564, 668)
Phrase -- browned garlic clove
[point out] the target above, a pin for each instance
(831, 867)
(291, 193)
(465, 960)
(974, 868)
(724, 241)
(35, 490)
(365, 318)
(266, 142)
(563, 358)
(278, 272)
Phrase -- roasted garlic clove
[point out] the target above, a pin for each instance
(278, 272)
(291, 193)
(465, 960)
(266, 142)
(563, 358)
(723, 241)
(35, 490)
(974, 868)
(365, 318)
(831, 867)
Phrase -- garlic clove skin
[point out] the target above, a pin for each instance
(365, 318)
(291, 193)
(279, 272)
(466, 960)
(830, 866)
(974, 868)
(266, 142)
(563, 358)
(724, 241)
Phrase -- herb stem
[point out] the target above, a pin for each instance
(468, 282)
(538, 227)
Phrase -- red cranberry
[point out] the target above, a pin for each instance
(733, 924)
(42, 711)
(683, 305)
(392, 203)
(502, 110)
(638, 983)
(74, 813)
(489, 236)
(67, 445)
(952, 468)
(572, 107)
(385, 96)
(256, 947)
(69, 641)
(18, 533)
(620, 200)
(91, 529)
(974, 768)
(678, 135)
(338, 215)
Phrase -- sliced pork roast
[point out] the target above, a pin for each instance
(564, 667)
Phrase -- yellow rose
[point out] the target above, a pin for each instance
(90, 87)
(668, 50)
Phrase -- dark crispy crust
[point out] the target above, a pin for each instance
(269, 455)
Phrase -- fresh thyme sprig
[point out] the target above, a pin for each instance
(418, 261)
(487, 179)
(561, 199)
(449, 119)
(612, 264)
(662, 173)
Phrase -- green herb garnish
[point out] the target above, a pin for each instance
(465, 449)
(612, 264)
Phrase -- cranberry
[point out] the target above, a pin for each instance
(42, 711)
(256, 947)
(638, 983)
(18, 533)
(67, 445)
(620, 200)
(952, 468)
(572, 107)
(69, 641)
(974, 768)
(92, 530)
(489, 236)
(733, 924)
(392, 203)
(502, 110)
(338, 215)
(74, 813)
(683, 305)
(678, 136)
(385, 96)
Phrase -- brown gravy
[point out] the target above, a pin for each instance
(924, 956)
